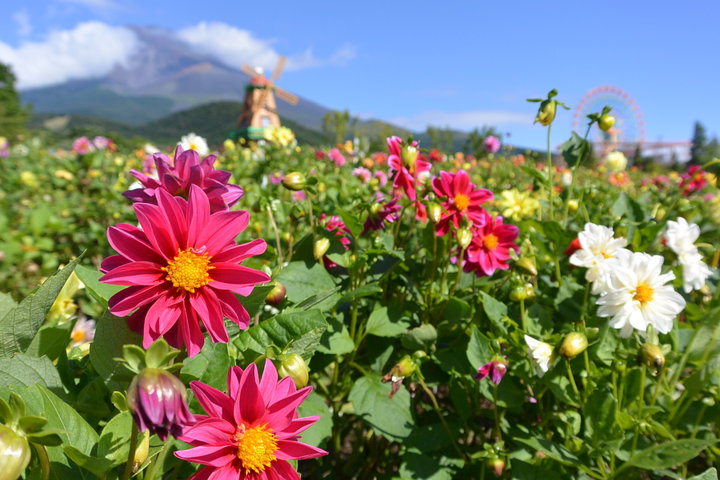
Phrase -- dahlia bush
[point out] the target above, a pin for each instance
(279, 311)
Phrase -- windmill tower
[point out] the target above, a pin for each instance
(259, 109)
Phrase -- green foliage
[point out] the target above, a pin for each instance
(13, 116)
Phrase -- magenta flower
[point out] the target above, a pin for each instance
(276, 178)
(156, 400)
(382, 177)
(491, 144)
(490, 246)
(404, 160)
(183, 268)
(337, 157)
(693, 180)
(101, 143)
(495, 369)
(363, 174)
(335, 224)
(462, 200)
(251, 432)
(380, 213)
(82, 146)
(177, 178)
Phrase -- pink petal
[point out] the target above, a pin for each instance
(249, 404)
(297, 426)
(238, 253)
(127, 300)
(269, 381)
(132, 243)
(221, 229)
(233, 380)
(190, 331)
(291, 450)
(135, 273)
(212, 455)
(228, 276)
(154, 224)
(213, 400)
(211, 431)
(233, 309)
(199, 216)
(207, 306)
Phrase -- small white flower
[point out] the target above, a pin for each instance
(598, 246)
(192, 141)
(541, 354)
(616, 161)
(695, 271)
(680, 236)
(638, 295)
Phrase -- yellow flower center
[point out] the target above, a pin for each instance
(461, 201)
(490, 241)
(78, 335)
(606, 255)
(644, 293)
(189, 270)
(256, 448)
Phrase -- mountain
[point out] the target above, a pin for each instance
(164, 75)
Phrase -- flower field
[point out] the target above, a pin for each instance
(277, 311)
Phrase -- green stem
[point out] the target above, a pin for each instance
(278, 245)
(436, 407)
(641, 396)
(572, 379)
(523, 321)
(310, 212)
(459, 273)
(550, 175)
(496, 414)
(127, 473)
(698, 417)
(43, 459)
(572, 173)
(152, 470)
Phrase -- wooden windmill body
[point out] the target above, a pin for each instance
(259, 108)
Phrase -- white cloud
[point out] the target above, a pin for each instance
(462, 120)
(89, 50)
(234, 46)
(22, 19)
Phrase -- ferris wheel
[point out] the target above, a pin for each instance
(629, 128)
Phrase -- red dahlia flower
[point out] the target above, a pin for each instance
(252, 432)
(182, 267)
(489, 249)
(404, 160)
(177, 177)
(462, 199)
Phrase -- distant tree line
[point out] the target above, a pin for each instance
(13, 116)
(703, 150)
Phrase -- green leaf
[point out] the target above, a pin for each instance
(313, 405)
(336, 340)
(114, 440)
(710, 474)
(256, 299)
(390, 417)
(526, 471)
(351, 222)
(575, 149)
(417, 464)
(111, 333)
(302, 282)
(50, 340)
(599, 414)
(627, 207)
(419, 338)
(300, 330)
(669, 454)
(25, 370)
(210, 366)
(99, 291)
(363, 291)
(479, 351)
(19, 325)
(97, 466)
(494, 309)
(553, 450)
(385, 324)
(535, 173)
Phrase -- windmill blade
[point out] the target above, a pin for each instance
(279, 67)
(287, 96)
(248, 70)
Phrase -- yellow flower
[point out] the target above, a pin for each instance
(64, 307)
(229, 145)
(516, 204)
(64, 174)
(29, 179)
(616, 161)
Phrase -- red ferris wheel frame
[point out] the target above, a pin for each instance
(579, 119)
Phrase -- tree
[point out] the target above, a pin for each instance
(335, 125)
(13, 115)
(699, 142)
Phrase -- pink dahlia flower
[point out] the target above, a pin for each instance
(337, 157)
(335, 224)
(404, 160)
(82, 146)
(252, 432)
(490, 246)
(491, 144)
(183, 268)
(363, 174)
(380, 214)
(495, 369)
(186, 170)
(156, 399)
(462, 199)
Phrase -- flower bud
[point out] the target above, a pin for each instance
(574, 344)
(497, 465)
(294, 181)
(464, 237)
(405, 367)
(527, 264)
(546, 114)
(606, 122)
(294, 366)
(141, 451)
(276, 295)
(157, 402)
(14, 454)
(518, 293)
(652, 356)
(434, 212)
(320, 248)
(409, 154)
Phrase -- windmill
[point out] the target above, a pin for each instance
(259, 108)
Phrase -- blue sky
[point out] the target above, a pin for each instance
(454, 63)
